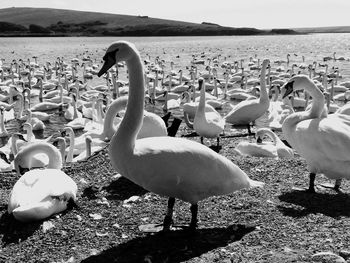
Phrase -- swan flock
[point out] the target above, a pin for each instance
(139, 147)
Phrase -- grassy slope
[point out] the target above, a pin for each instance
(333, 29)
(47, 16)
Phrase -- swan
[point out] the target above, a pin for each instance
(256, 149)
(186, 171)
(283, 151)
(43, 116)
(324, 141)
(152, 124)
(36, 123)
(207, 124)
(40, 193)
(248, 111)
(190, 107)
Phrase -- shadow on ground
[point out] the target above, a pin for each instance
(174, 246)
(332, 205)
(14, 231)
(122, 189)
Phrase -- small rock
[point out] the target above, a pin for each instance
(116, 176)
(124, 236)
(93, 252)
(79, 218)
(47, 225)
(103, 201)
(116, 225)
(344, 253)
(101, 234)
(96, 216)
(327, 257)
(132, 199)
(83, 181)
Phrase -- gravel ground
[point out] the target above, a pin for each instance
(277, 223)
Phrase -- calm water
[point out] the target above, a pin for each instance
(180, 50)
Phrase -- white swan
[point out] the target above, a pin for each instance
(169, 166)
(207, 124)
(246, 112)
(36, 123)
(283, 151)
(152, 124)
(40, 193)
(324, 141)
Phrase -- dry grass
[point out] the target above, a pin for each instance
(273, 224)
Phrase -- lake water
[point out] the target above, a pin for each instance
(180, 50)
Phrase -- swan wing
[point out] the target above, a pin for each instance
(183, 169)
(325, 144)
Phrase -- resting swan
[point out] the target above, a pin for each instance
(40, 193)
(248, 111)
(324, 141)
(283, 151)
(169, 166)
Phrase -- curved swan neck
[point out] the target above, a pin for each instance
(316, 109)
(133, 118)
(115, 107)
(55, 159)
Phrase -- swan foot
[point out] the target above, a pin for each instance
(335, 187)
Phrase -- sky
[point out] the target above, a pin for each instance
(261, 14)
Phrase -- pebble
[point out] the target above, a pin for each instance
(327, 257)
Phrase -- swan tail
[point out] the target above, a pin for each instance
(253, 183)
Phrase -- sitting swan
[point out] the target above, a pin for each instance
(40, 193)
(169, 166)
(283, 151)
(324, 141)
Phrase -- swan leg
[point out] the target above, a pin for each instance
(249, 130)
(312, 183)
(194, 220)
(218, 142)
(202, 142)
(337, 185)
(168, 219)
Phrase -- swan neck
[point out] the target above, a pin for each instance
(71, 147)
(263, 92)
(133, 118)
(315, 111)
(115, 107)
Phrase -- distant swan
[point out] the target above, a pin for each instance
(169, 166)
(248, 111)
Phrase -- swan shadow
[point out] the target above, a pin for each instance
(332, 205)
(192, 134)
(122, 189)
(13, 231)
(174, 246)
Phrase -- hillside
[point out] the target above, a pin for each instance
(331, 29)
(24, 21)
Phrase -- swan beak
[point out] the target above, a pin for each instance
(109, 62)
(289, 89)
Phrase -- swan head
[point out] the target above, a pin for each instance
(297, 82)
(118, 51)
